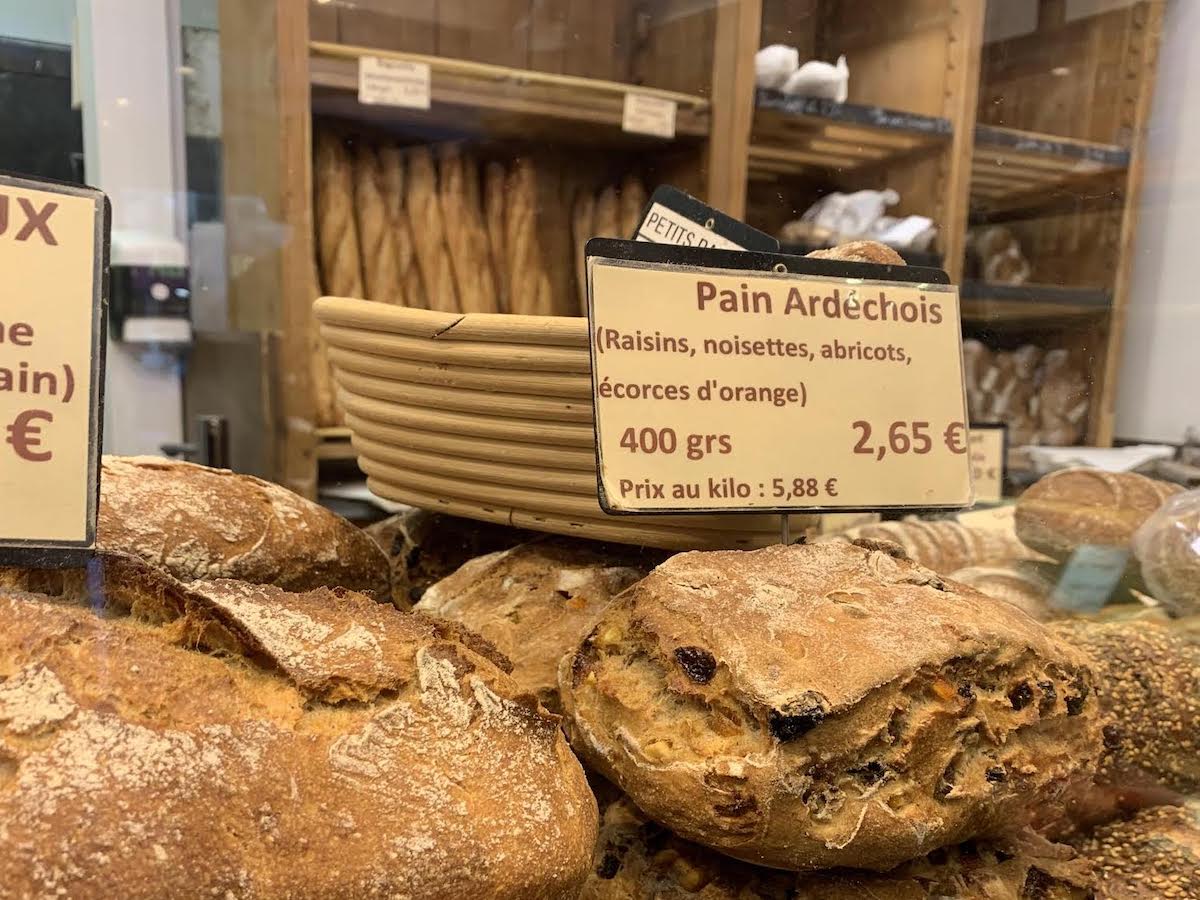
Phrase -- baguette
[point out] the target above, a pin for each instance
(333, 747)
(631, 202)
(325, 408)
(409, 287)
(495, 211)
(433, 259)
(377, 237)
(583, 228)
(337, 233)
(823, 705)
(529, 287)
(465, 239)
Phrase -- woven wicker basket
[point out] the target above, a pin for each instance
(490, 417)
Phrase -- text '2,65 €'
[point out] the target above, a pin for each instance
(736, 390)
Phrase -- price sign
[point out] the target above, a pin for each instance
(648, 114)
(988, 449)
(53, 281)
(393, 82)
(722, 384)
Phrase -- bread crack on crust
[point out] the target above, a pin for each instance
(854, 708)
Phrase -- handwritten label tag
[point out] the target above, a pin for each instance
(736, 390)
(1089, 577)
(53, 278)
(393, 82)
(648, 114)
(988, 443)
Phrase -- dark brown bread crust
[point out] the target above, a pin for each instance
(1071, 507)
(536, 601)
(323, 745)
(195, 522)
(815, 706)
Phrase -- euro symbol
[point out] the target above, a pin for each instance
(954, 438)
(23, 435)
(831, 487)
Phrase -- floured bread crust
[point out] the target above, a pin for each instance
(242, 742)
(827, 705)
(196, 522)
(535, 602)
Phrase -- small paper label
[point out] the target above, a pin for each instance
(664, 226)
(1089, 577)
(738, 390)
(393, 82)
(647, 114)
(987, 462)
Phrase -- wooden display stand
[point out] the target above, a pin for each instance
(1062, 168)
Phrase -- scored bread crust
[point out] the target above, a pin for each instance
(815, 706)
(535, 602)
(197, 522)
(135, 766)
(1071, 507)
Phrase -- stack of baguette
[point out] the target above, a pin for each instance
(614, 212)
(1041, 395)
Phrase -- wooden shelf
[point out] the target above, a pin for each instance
(334, 443)
(1034, 304)
(798, 134)
(1021, 174)
(470, 98)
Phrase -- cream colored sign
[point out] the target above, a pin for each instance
(647, 114)
(47, 316)
(393, 82)
(987, 464)
(727, 390)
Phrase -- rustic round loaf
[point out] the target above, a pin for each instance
(335, 747)
(815, 706)
(535, 602)
(196, 522)
(1025, 584)
(861, 251)
(637, 859)
(1148, 687)
(1167, 546)
(1071, 507)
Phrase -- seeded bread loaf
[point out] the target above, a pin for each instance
(232, 740)
(1167, 547)
(1153, 856)
(1071, 507)
(1148, 686)
(535, 602)
(827, 705)
(637, 859)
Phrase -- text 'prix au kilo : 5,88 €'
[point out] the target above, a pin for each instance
(747, 390)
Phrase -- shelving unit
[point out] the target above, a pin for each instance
(496, 101)
(1020, 174)
(801, 134)
(1041, 132)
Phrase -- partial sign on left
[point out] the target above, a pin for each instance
(53, 305)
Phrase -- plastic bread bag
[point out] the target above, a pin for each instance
(1167, 546)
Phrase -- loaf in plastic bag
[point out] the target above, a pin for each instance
(1167, 546)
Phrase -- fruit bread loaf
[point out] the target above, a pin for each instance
(197, 522)
(1071, 507)
(637, 859)
(826, 705)
(1148, 687)
(233, 740)
(535, 602)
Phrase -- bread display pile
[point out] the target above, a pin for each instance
(216, 708)
(945, 545)
(1042, 396)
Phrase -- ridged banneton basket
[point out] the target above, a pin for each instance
(490, 417)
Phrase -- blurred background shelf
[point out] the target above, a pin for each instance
(478, 98)
(1031, 304)
(797, 134)
(1020, 174)
(333, 443)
